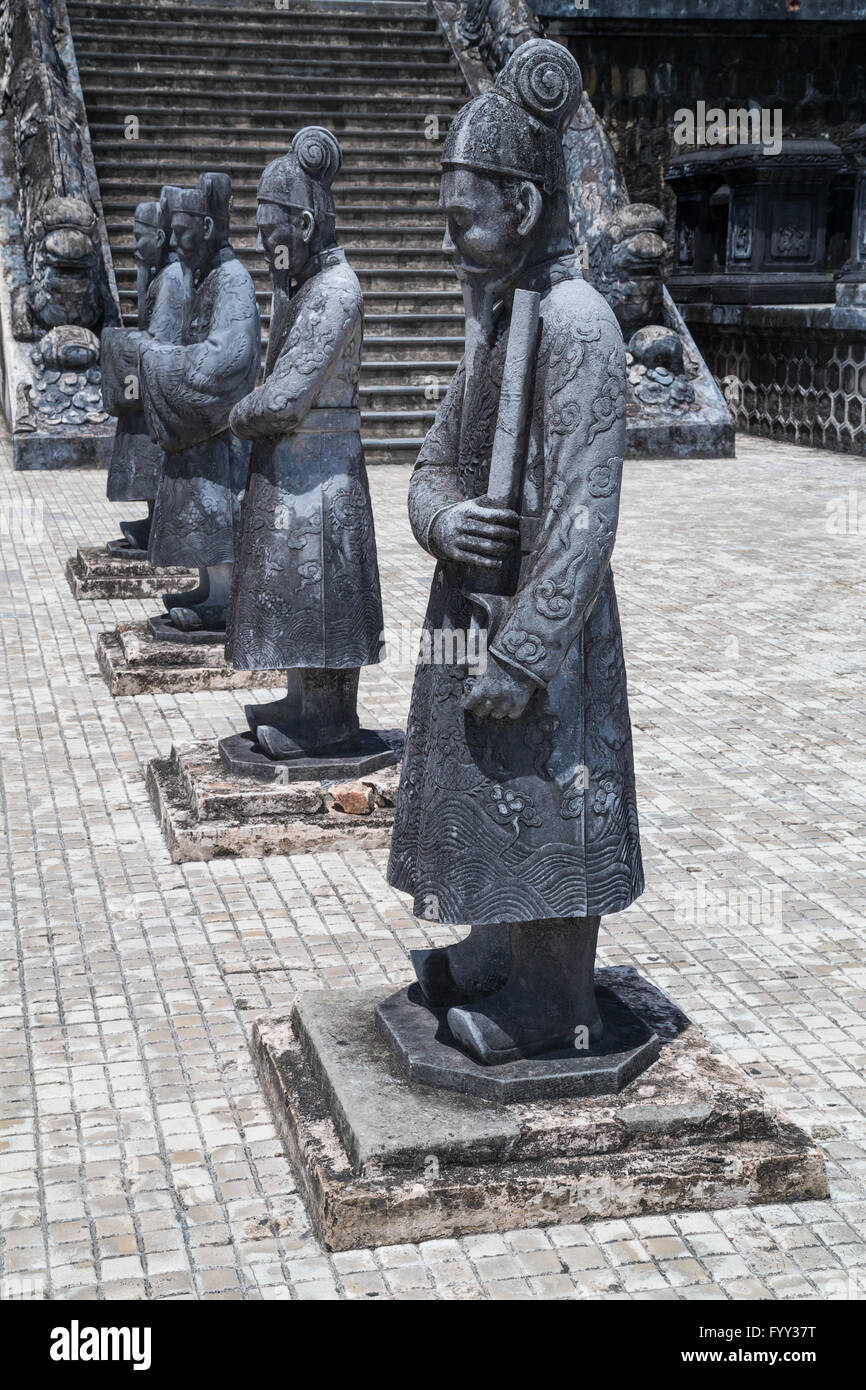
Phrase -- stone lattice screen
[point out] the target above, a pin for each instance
(805, 387)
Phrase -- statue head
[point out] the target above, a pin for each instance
(149, 240)
(503, 186)
(295, 215)
(199, 219)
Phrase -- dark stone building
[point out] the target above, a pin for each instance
(783, 369)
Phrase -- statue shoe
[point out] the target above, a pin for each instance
(492, 1031)
(187, 598)
(275, 714)
(282, 746)
(203, 618)
(137, 532)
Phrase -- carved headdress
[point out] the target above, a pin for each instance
(147, 214)
(515, 129)
(212, 198)
(300, 181)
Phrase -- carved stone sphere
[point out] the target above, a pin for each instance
(655, 346)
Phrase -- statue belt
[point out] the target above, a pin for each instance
(329, 419)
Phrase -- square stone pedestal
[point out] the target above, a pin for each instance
(208, 812)
(93, 573)
(383, 1161)
(135, 661)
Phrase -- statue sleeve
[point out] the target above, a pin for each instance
(580, 406)
(320, 331)
(163, 305)
(188, 392)
(433, 486)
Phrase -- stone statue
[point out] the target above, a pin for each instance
(306, 588)
(516, 811)
(187, 392)
(136, 459)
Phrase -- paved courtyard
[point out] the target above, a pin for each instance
(137, 1155)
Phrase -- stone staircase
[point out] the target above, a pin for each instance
(225, 88)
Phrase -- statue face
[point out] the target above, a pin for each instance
(191, 238)
(488, 224)
(284, 237)
(147, 241)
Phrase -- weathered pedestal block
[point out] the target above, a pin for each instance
(382, 1161)
(149, 659)
(94, 572)
(215, 800)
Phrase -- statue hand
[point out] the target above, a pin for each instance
(500, 693)
(475, 534)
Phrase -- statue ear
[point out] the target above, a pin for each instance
(529, 206)
(208, 228)
(159, 236)
(308, 225)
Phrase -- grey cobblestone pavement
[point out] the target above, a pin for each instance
(137, 1155)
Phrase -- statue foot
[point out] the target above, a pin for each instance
(277, 744)
(513, 1024)
(302, 743)
(204, 618)
(137, 532)
(187, 598)
(278, 714)
(466, 970)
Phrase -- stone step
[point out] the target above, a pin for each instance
(407, 371)
(347, 196)
(249, 146)
(394, 450)
(355, 217)
(236, 19)
(371, 260)
(410, 349)
(141, 37)
(216, 119)
(383, 424)
(245, 172)
(234, 86)
(350, 234)
(209, 143)
(272, 57)
(403, 397)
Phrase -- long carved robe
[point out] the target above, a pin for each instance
(136, 459)
(187, 395)
(306, 581)
(503, 820)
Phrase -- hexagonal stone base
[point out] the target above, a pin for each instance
(382, 1161)
(241, 756)
(426, 1053)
